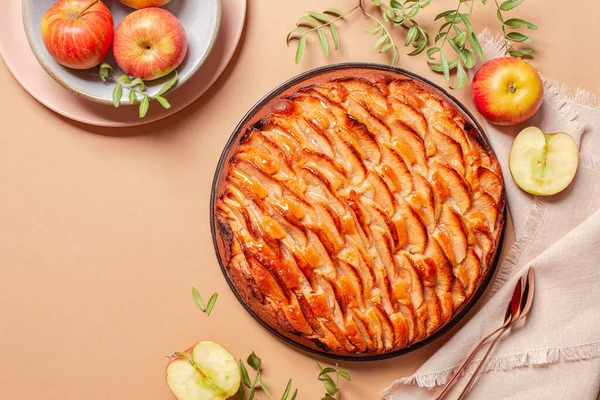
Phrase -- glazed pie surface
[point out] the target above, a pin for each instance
(359, 214)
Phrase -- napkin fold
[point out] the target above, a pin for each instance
(555, 352)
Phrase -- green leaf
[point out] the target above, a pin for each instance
(254, 361)
(294, 395)
(439, 36)
(168, 85)
(124, 79)
(198, 299)
(517, 22)
(444, 14)
(467, 57)
(328, 397)
(330, 387)
(323, 41)
(308, 20)
(461, 77)
(394, 60)
(334, 11)
(465, 20)
(300, 49)
(379, 41)
(475, 45)
(413, 12)
(132, 97)
(117, 94)
(422, 45)
(344, 374)
(245, 376)
(375, 30)
(499, 15)
(437, 67)
(287, 390)
(319, 16)
(265, 389)
(510, 4)
(431, 51)
(213, 299)
(334, 36)
(445, 67)
(376, 2)
(385, 47)
(519, 37)
(144, 105)
(106, 66)
(460, 39)
(326, 370)
(139, 82)
(411, 35)
(290, 35)
(520, 52)
(397, 5)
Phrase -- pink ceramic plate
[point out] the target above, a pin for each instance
(17, 55)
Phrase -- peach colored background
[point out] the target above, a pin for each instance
(104, 231)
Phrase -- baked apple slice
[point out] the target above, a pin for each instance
(206, 371)
(543, 163)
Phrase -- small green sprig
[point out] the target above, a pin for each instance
(255, 363)
(137, 89)
(332, 386)
(513, 37)
(200, 303)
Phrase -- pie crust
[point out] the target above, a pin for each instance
(358, 214)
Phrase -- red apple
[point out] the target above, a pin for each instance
(78, 33)
(149, 43)
(507, 90)
(144, 3)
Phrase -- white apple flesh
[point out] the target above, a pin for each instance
(543, 164)
(207, 371)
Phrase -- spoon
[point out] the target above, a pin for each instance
(511, 310)
(524, 308)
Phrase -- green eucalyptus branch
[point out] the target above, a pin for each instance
(454, 48)
(136, 88)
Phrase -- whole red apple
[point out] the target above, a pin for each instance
(78, 33)
(150, 43)
(507, 90)
(145, 3)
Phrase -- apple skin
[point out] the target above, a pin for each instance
(150, 43)
(78, 33)
(507, 90)
(145, 3)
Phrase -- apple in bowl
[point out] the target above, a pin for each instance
(507, 90)
(145, 3)
(78, 33)
(150, 43)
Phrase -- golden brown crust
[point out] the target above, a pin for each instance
(359, 215)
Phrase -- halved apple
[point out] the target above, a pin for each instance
(206, 371)
(543, 163)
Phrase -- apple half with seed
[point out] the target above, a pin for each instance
(205, 371)
(543, 163)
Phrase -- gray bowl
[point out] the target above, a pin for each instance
(200, 19)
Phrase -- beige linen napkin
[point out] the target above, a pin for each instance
(555, 353)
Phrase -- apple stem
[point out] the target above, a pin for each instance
(87, 8)
(512, 88)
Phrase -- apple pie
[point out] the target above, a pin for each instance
(359, 214)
